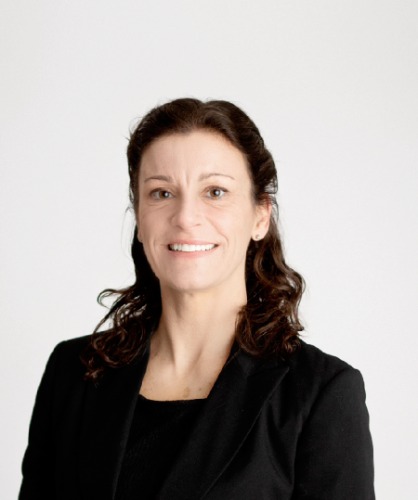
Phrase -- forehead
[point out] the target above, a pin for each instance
(198, 152)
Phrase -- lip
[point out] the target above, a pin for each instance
(191, 242)
(190, 249)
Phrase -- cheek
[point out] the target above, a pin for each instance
(245, 216)
(239, 225)
(138, 233)
(151, 257)
(145, 222)
(143, 234)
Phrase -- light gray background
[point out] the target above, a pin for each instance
(332, 85)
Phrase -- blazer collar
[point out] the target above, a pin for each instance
(228, 415)
(108, 413)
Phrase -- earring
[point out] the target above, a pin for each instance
(256, 237)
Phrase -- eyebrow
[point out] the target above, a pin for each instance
(214, 174)
(158, 178)
(202, 177)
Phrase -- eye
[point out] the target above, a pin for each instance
(216, 192)
(161, 194)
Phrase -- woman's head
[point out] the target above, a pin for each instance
(179, 121)
(268, 323)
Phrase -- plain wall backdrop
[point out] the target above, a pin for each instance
(332, 85)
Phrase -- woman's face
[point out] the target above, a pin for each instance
(196, 212)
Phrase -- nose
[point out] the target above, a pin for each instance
(187, 212)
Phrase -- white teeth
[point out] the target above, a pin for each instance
(190, 248)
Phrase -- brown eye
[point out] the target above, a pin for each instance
(216, 193)
(161, 194)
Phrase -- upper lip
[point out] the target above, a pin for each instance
(191, 242)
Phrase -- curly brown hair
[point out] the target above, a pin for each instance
(268, 324)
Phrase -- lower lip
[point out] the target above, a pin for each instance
(191, 255)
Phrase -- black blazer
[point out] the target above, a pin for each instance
(295, 429)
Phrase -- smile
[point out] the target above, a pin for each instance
(177, 247)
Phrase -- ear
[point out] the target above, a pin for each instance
(262, 220)
(138, 235)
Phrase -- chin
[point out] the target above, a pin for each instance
(189, 286)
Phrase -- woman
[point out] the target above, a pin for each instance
(199, 387)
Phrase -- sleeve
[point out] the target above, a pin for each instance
(334, 459)
(38, 461)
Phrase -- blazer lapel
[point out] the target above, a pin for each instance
(108, 413)
(228, 415)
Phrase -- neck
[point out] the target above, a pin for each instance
(196, 327)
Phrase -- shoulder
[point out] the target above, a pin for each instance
(314, 376)
(312, 363)
(306, 376)
(71, 348)
(70, 351)
(64, 362)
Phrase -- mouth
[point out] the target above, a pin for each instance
(180, 247)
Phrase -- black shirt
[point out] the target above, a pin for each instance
(158, 431)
